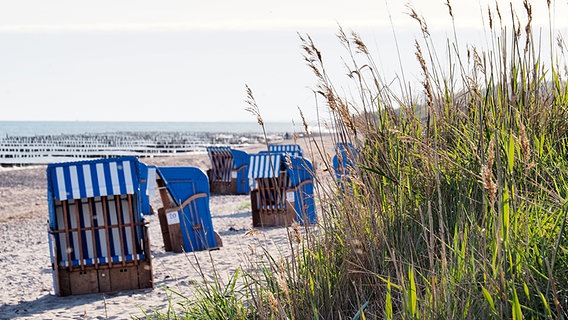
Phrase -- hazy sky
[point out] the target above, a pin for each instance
(190, 60)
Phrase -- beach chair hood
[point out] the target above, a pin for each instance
(98, 178)
(77, 180)
(221, 163)
(291, 149)
(241, 161)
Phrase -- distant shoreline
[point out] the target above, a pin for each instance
(43, 149)
(17, 151)
(33, 128)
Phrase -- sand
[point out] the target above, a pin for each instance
(25, 270)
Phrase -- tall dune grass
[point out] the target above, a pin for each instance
(456, 207)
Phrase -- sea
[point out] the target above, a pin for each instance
(42, 128)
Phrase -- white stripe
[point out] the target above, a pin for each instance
(265, 166)
(115, 238)
(114, 178)
(74, 182)
(88, 233)
(101, 178)
(256, 171)
(127, 230)
(273, 166)
(61, 183)
(86, 213)
(128, 177)
(88, 180)
(90, 244)
(129, 247)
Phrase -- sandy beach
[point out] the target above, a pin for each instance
(25, 271)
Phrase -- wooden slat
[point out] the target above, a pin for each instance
(272, 194)
(93, 228)
(67, 236)
(107, 235)
(118, 206)
(283, 180)
(167, 201)
(79, 237)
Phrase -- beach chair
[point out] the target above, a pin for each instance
(241, 161)
(282, 190)
(228, 173)
(185, 217)
(344, 160)
(97, 235)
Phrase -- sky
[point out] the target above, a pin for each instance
(186, 60)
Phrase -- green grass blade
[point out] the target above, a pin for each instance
(489, 299)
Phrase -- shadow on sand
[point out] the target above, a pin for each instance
(52, 302)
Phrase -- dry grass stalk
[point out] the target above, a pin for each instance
(487, 178)
(525, 145)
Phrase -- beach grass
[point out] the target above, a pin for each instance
(456, 205)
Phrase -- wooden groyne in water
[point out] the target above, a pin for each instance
(28, 150)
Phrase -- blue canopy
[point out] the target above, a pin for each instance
(292, 149)
(263, 165)
(96, 178)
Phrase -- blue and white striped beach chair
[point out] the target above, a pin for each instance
(221, 164)
(281, 189)
(98, 238)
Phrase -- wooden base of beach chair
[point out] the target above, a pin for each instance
(218, 239)
(171, 232)
(165, 229)
(271, 218)
(223, 187)
(105, 278)
(173, 238)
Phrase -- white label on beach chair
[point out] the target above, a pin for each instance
(233, 174)
(173, 217)
(290, 196)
